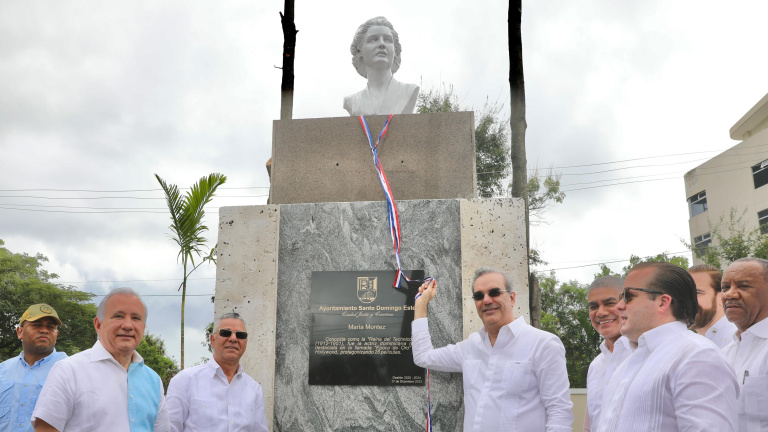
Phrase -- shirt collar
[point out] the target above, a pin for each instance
(514, 328)
(759, 329)
(100, 353)
(658, 336)
(214, 368)
(621, 344)
(41, 361)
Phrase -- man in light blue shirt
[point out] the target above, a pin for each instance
(22, 377)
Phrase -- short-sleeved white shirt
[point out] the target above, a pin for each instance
(91, 391)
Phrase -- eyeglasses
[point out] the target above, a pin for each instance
(493, 292)
(238, 334)
(627, 297)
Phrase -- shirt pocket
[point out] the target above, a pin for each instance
(6, 394)
(203, 414)
(472, 378)
(755, 393)
(516, 378)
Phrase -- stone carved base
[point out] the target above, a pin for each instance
(267, 254)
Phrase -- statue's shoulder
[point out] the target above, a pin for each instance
(352, 103)
(411, 88)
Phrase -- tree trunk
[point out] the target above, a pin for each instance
(534, 299)
(183, 300)
(518, 127)
(289, 51)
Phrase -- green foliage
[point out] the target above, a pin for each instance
(564, 312)
(731, 241)
(152, 349)
(187, 228)
(493, 158)
(208, 332)
(662, 257)
(542, 194)
(24, 282)
(437, 100)
(491, 138)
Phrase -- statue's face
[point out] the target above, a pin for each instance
(378, 48)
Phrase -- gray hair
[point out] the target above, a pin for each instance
(485, 270)
(119, 291)
(230, 315)
(357, 59)
(606, 282)
(763, 263)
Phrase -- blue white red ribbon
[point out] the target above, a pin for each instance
(429, 407)
(394, 227)
(392, 216)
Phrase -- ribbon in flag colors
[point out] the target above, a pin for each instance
(394, 226)
(394, 219)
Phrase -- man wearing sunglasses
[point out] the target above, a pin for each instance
(745, 298)
(218, 396)
(514, 375)
(675, 380)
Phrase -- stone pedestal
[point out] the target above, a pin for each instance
(425, 156)
(266, 257)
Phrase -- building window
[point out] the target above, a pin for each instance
(762, 219)
(701, 243)
(760, 174)
(698, 203)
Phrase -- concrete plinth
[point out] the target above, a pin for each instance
(267, 255)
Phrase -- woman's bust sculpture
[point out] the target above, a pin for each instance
(376, 56)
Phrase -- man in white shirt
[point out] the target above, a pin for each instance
(107, 387)
(218, 396)
(602, 301)
(711, 321)
(745, 297)
(675, 380)
(514, 375)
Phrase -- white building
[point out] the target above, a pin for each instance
(736, 178)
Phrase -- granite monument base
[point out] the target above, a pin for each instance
(266, 258)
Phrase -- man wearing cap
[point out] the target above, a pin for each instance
(22, 377)
(107, 387)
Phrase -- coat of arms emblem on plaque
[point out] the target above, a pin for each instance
(366, 289)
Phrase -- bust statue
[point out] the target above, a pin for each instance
(376, 56)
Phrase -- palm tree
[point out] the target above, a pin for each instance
(187, 228)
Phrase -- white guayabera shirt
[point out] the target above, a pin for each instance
(520, 383)
(600, 371)
(676, 380)
(749, 357)
(201, 399)
(722, 332)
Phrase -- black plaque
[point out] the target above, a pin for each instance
(361, 329)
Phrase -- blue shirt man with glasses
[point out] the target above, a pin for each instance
(514, 375)
(22, 377)
(675, 380)
(218, 396)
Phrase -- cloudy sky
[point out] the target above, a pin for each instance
(99, 96)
